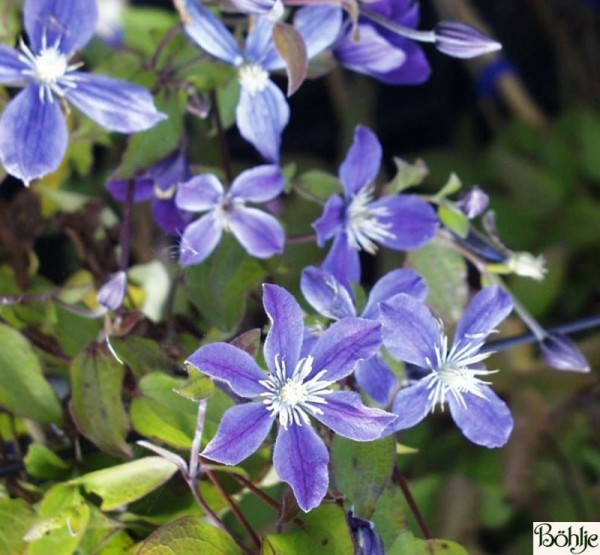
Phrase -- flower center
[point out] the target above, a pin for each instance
(363, 226)
(223, 212)
(50, 66)
(253, 78)
(291, 398)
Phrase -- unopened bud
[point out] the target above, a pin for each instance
(463, 41)
(560, 352)
(112, 293)
(473, 203)
(526, 265)
(366, 540)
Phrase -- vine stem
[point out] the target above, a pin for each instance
(401, 481)
(222, 139)
(126, 226)
(169, 36)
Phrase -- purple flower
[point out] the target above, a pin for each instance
(331, 299)
(413, 335)
(262, 111)
(258, 232)
(366, 540)
(33, 132)
(473, 203)
(112, 293)
(159, 184)
(560, 352)
(382, 54)
(358, 222)
(294, 389)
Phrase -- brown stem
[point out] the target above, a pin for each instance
(401, 481)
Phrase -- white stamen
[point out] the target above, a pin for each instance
(364, 228)
(253, 78)
(291, 398)
(165, 194)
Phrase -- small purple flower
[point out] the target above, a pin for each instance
(294, 389)
(560, 352)
(358, 222)
(159, 184)
(382, 54)
(331, 299)
(258, 232)
(463, 41)
(33, 132)
(112, 293)
(473, 203)
(262, 111)
(413, 335)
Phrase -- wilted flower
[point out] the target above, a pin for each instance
(413, 335)
(258, 232)
(560, 352)
(33, 132)
(294, 389)
(463, 41)
(526, 265)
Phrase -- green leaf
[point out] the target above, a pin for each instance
(453, 185)
(220, 285)
(127, 482)
(74, 332)
(162, 414)
(142, 25)
(445, 273)
(407, 544)
(389, 517)
(188, 535)
(317, 185)
(141, 354)
(16, 517)
(96, 405)
(41, 462)
(453, 219)
(362, 471)
(23, 388)
(407, 175)
(196, 387)
(325, 532)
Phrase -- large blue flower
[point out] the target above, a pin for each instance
(33, 132)
(294, 389)
(359, 222)
(453, 374)
(262, 111)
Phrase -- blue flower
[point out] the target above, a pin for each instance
(262, 111)
(453, 374)
(295, 389)
(258, 232)
(33, 132)
(331, 299)
(359, 222)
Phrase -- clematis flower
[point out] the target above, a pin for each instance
(358, 222)
(159, 184)
(380, 53)
(454, 374)
(33, 132)
(331, 299)
(262, 112)
(293, 390)
(258, 232)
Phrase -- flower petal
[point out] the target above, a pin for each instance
(71, 23)
(319, 27)
(346, 415)
(169, 171)
(411, 221)
(261, 118)
(343, 262)
(484, 421)
(375, 378)
(284, 339)
(168, 217)
(242, 430)
(258, 232)
(200, 193)
(394, 283)
(331, 221)
(326, 294)
(224, 362)
(11, 67)
(481, 317)
(259, 42)
(361, 165)
(258, 184)
(343, 345)
(410, 332)
(33, 136)
(143, 188)
(411, 405)
(114, 104)
(300, 459)
(198, 241)
(209, 33)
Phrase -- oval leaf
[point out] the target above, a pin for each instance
(291, 48)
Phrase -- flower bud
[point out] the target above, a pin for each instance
(473, 202)
(112, 293)
(526, 265)
(463, 41)
(366, 540)
(560, 352)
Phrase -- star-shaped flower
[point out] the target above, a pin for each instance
(294, 390)
(453, 374)
(33, 132)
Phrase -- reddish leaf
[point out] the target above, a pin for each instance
(291, 47)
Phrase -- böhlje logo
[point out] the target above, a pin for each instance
(575, 538)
